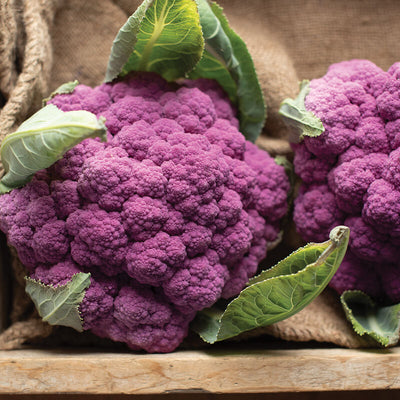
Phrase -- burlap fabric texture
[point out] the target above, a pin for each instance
(289, 41)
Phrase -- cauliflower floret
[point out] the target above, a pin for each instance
(173, 212)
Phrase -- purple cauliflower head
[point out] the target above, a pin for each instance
(173, 212)
(351, 173)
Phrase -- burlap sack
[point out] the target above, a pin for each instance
(289, 40)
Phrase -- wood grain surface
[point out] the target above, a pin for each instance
(218, 371)
(359, 395)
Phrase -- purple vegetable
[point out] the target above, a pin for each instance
(173, 212)
(351, 173)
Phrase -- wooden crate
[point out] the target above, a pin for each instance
(223, 370)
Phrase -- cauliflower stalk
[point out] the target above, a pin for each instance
(174, 211)
(350, 171)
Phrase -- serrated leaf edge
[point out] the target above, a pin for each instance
(361, 331)
(54, 289)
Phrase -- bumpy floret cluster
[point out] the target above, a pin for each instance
(351, 173)
(173, 212)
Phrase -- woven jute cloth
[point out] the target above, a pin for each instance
(44, 43)
(25, 58)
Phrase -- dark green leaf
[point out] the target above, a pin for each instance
(212, 68)
(382, 324)
(302, 122)
(42, 140)
(124, 43)
(162, 36)
(60, 305)
(278, 292)
(230, 54)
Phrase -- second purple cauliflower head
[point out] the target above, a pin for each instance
(351, 173)
(173, 212)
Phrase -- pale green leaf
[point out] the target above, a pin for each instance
(162, 36)
(278, 292)
(65, 88)
(230, 53)
(381, 323)
(42, 140)
(302, 122)
(59, 305)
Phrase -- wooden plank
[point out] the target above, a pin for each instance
(359, 395)
(211, 371)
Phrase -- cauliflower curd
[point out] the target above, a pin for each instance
(173, 212)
